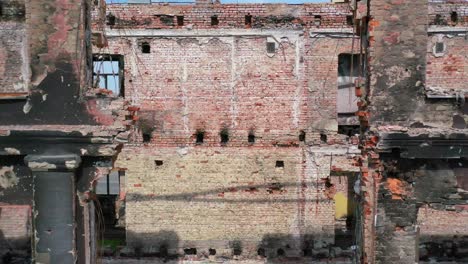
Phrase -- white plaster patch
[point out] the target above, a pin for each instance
(70, 164)
(8, 177)
(12, 151)
(41, 165)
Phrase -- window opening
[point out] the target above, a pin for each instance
(271, 47)
(323, 138)
(302, 135)
(454, 17)
(248, 19)
(180, 20)
(317, 20)
(145, 47)
(251, 137)
(349, 20)
(108, 73)
(214, 20)
(158, 163)
(348, 72)
(199, 137)
(279, 164)
(439, 47)
(224, 134)
(110, 19)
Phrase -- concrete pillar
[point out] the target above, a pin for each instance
(53, 209)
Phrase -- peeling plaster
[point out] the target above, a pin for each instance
(8, 177)
(41, 165)
(12, 151)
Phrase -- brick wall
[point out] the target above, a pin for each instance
(15, 227)
(229, 15)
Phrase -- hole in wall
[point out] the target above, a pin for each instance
(224, 134)
(323, 138)
(350, 20)
(280, 252)
(214, 20)
(158, 163)
(163, 251)
(348, 130)
(279, 164)
(251, 137)
(180, 20)
(236, 248)
(190, 251)
(261, 252)
(454, 17)
(146, 137)
(317, 20)
(199, 135)
(248, 19)
(110, 19)
(145, 47)
(302, 135)
(212, 251)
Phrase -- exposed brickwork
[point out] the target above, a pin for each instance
(15, 227)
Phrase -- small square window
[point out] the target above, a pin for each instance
(200, 135)
(158, 163)
(279, 164)
(248, 19)
(145, 47)
(271, 47)
(251, 138)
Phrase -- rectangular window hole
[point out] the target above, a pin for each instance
(146, 137)
(199, 137)
(439, 47)
(302, 136)
(454, 17)
(279, 164)
(110, 19)
(271, 47)
(224, 134)
(190, 251)
(180, 20)
(145, 47)
(349, 20)
(317, 20)
(251, 138)
(248, 19)
(158, 163)
(323, 138)
(214, 20)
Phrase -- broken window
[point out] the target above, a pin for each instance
(109, 184)
(108, 73)
(214, 20)
(180, 21)
(348, 72)
(317, 20)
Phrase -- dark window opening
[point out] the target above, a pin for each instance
(454, 17)
(349, 69)
(350, 20)
(214, 20)
(212, 251)
(317, 20)
(146, 137)
(248, 19)
(271, 47)
(261, 252)
(438, 20)
(158, 163)
(180, 20)
(108, 73)
(145, 47)
(190, 251)
(279, 164)
(323, 138)
(199, 137)
(251, 138)
(224, 134)
(110, 19)
(237, 248)
(302, 135)
(439, 48)
(280, 252)
(348, 130)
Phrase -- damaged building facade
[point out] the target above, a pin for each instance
(207, 131)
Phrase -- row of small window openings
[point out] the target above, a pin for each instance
(200, 136)
(236, 251)
(278, 163)
(146, 47)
